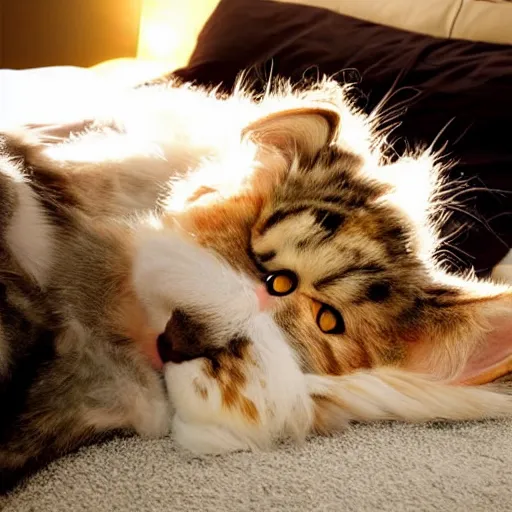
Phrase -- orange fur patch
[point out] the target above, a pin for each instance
(200, 390)
(228, 370)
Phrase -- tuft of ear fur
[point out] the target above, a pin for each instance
(393, 394)
(300, 131)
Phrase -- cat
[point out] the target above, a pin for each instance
(143, 256)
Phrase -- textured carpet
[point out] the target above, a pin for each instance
(463, 467)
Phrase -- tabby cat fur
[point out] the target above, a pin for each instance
(132, 258)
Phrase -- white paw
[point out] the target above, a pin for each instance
(202, 439)
(245, 403)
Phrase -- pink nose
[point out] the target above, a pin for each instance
(265, 300)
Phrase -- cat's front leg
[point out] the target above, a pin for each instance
(246, 396)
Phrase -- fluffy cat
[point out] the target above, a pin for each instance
(140, 242)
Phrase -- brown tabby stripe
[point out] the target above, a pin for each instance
(379, 291)
(338, 276)
(54, 193)
(265, 257)
(256, 260)
(280, 215)
(328, 220)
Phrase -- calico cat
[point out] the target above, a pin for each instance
(247, 269)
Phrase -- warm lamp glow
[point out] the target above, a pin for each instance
(169, 29)
(161, 41)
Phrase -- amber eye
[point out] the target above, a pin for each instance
(328, 319)
(281, 283)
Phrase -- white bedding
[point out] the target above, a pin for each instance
(51, 94)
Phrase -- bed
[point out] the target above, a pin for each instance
(441, 72)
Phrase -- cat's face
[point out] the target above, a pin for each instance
(351, 251)
(356, 234)
(343, 242)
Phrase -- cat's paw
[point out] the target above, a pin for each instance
(203, 421)
(247, 399)
(214, 411)
(208, 439)
(171, 271)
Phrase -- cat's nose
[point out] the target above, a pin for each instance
(182, 340)
(265, 300)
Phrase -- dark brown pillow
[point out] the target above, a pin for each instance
(460, 88)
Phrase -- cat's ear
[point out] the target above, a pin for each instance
(301, 131)
(461, 330)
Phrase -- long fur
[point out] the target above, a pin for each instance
(143, 238)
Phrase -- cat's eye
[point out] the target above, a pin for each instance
(328, 319)
(281, 283)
